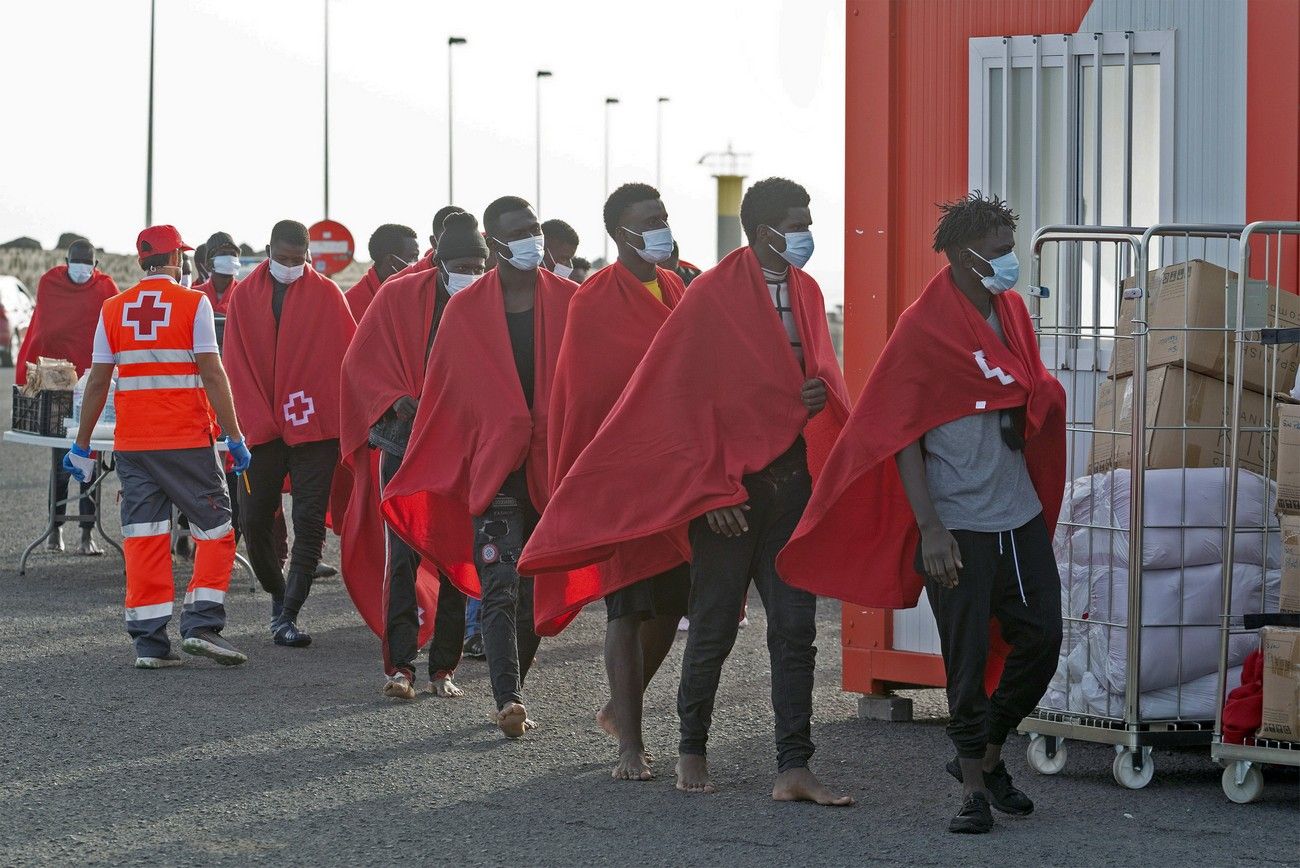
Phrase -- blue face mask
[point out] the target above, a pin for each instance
(658, 244)
(1006, 271)
(798, 248)
(526, 253)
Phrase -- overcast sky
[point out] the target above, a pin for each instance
(238, 122)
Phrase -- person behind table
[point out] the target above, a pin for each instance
(561, 246)
(68, 300)
(171, 392)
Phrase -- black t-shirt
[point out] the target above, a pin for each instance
(520, 326)
(278, 290)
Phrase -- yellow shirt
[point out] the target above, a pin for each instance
(652, 287)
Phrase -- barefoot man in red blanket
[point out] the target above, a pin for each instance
(475, 474)
(612, 321)
(952, 468)
(383, 374)
(709, 448)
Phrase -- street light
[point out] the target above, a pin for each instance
(609, 101)
(659, 141)
(148, 175)
(452, 41)
(326, 4)
(541, 74)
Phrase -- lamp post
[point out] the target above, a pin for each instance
(659, 141)
(541, 74)
(148, 172)
(326, 4)
(452, 42)
(609, 101)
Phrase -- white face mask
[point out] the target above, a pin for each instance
(526, 253)
(658, 244)
(562, 270)
(457, 281)
(284, 273)
(80, 272)
(225, 265)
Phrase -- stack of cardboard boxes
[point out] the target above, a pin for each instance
(1191, 308)
(1191, 313)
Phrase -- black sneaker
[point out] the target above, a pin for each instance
(974, 818)
(288, 635)
(206, 643)
(1002, 793)
(473, 648)
(164, 661)
(325, 571)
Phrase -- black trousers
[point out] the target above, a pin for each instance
(403, 633)
(1010, 576)
(310, 469)
(61, 480)
(721, 570)
(509, 640)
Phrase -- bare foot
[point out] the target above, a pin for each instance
(398, 687)
(633, 767)
(445, 688)
(54, 542)
(513, 720)
(88, 548)
(801, 785)
(529, 724)
(693, 774)
(605, 718)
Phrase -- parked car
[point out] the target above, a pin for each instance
(16, 307)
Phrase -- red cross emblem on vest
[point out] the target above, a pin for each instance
(298, 409)
(146, 315)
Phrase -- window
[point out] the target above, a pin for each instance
(1042, 139)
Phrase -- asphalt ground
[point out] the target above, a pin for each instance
(296, 758)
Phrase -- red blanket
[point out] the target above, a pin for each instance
(285, 376)
(63, 324)
(715, 398)
(384, 362)
(362, 294)
(220, 306)
(473, 427)
(858, 536)
(612, 321)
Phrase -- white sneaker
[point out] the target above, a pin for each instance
(399, 687)
(167, 662)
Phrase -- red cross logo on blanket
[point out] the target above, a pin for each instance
(146, 314)
(298, 409)
(989, 373)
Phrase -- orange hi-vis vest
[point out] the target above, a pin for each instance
(160, 401)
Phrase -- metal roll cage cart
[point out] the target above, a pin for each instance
(1077, 328)
(1242, 779)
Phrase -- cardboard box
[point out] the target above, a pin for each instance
(1199, 295)
(1290, 564)
(1206, 444)
(1281, 720)
(1288, 459)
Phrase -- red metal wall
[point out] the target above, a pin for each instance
(1273, 119)
(906, 149)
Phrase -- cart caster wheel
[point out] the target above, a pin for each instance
(1243, 782)
(1038, 757)
(1125, 773)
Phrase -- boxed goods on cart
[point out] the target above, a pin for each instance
(1281, 719)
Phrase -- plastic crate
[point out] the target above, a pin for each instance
(42, 413)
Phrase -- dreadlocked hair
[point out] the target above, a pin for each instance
(970, 218)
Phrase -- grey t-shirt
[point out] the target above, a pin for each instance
(976, 481)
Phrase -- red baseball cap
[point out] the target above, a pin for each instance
(156, 240)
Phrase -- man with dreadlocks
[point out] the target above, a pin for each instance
(960, 421)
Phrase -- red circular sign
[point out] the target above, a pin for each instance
(331, 246)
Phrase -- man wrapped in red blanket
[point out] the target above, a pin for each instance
(710, 450)
(952, 467)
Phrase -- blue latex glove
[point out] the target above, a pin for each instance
(78, 462)
(240, 453)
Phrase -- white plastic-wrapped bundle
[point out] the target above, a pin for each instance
(1184, 517)
(1172, 652)
(1193, 700)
